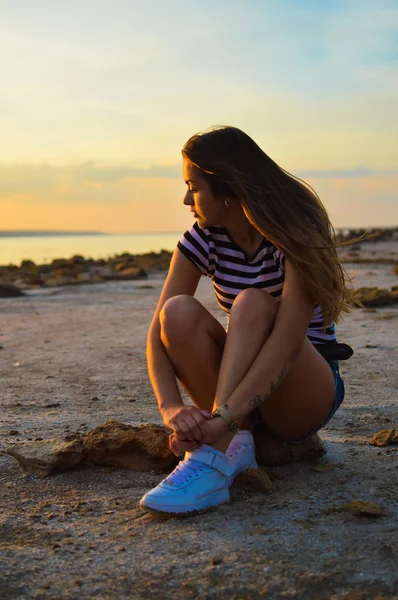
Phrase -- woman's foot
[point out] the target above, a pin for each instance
(198, 482)
(241, 454)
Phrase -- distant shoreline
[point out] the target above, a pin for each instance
(47, 233)
(341, 231)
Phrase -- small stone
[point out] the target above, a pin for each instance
(361, 508)
(384, 437)
(257, 479)
(259, 531)
(324, 468)
(13, 432)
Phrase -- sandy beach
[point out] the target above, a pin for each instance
(74, 356)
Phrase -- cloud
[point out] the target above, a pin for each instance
(98, 183)
(355, 173)
(87, 178)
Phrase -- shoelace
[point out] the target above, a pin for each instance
(235, 449)
(185, 470)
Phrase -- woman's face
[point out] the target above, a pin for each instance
(209, 210)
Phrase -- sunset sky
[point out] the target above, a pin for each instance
(98, 97)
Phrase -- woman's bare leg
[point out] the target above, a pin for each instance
(252, 318)
(194, 341)
(211, 364)
(303, 399)
(205, 358)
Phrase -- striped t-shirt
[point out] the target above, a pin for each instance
(216, 255)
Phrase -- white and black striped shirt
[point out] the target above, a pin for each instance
(216, 255)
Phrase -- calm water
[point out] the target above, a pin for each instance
(44, 249)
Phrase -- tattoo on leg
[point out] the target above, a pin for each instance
(257, 400)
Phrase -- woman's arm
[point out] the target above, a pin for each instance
(183, 278)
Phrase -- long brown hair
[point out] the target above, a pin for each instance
(285, 209)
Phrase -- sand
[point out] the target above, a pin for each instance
(74, 357)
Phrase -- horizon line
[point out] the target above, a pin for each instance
(60, 232)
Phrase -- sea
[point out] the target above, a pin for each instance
(45, 248)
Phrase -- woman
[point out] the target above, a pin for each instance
(266, 241)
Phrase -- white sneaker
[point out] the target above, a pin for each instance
(241, 454)
(198, 482)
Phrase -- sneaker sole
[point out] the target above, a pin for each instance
(207, 502)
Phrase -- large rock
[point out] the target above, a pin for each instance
(9, 290)
(373, 296)
(46, 457)
(143, 448)
(270, 450)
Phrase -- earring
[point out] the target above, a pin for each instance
(227, 203)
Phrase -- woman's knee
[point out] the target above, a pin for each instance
(178, 318)
(253, 306)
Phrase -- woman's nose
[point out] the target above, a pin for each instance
(188, 201)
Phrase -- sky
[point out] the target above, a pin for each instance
(99, 96)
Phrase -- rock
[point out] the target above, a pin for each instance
(77, 260)
(272, 451)
(384, 437)
(59, 263)
(257, 479)
(323, 468)
(44, 269)
(32, 278)
(28, 265)
(57, 280)
(126, 274)
(361, 508)
(373, 296)
(152, 260)
(126, 263)
(143, 448)
(55, 455)
(9, 290)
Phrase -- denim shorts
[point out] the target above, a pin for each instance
(337, 400)
(339, 391)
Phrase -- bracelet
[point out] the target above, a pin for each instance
(223, 412)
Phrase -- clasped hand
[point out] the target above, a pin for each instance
(192, 427)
